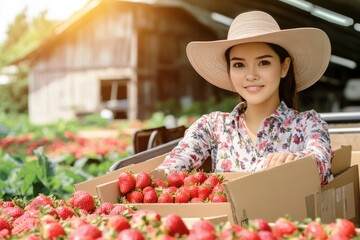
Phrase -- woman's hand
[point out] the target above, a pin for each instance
(278, 158)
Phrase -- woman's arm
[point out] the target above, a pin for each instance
(192, 150)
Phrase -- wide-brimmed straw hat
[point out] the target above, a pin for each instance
(309, 49)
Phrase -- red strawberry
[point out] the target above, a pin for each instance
(46, 219)
(218, 189)
(104, 208)
(134, 197)
(260, 224)
(246, 234)
(52, 231)
(182, 197)
(171, 190)
(191, 180)
(64, 212)
(218, 198)
(120, 210)
(150, 196)
(4, 224)
(175, 225)
(4, 233)
(204, 191)
(143, 179)
(82, 200)
(266, 235)
(165, 198)
(132, 234)
(230, 232)
(13, 212)
(157, 182)
(118, 223)
(213, 180)
(201, 176)
(40, 201)
(145, 217)
(86, 231)
(196, 200)
(342, 227)
(202, 229)
(183, 174)
(25, 226)
(283, 227)
(314, 230)
(126, 182)
(8, 204)
(76, 222)
(194, 191)
(175, 179)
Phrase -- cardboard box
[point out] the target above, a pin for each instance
(294, 189)
(90, 185)
(355, 160)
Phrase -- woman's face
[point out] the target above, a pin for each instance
(256, 71)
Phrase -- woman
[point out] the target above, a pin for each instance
(267, 67)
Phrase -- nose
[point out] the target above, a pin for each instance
(251, 74)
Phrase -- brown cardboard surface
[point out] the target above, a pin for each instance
(191, 210)
(340, 198)
(274, 192)
(341, 160)
(355, 160)
(90, 185)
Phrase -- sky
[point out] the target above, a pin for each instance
(57, 10)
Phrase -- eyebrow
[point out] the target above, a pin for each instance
(260, 57)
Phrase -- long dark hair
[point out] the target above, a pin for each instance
(287, 87)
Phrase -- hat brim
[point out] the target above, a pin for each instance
(309, 48)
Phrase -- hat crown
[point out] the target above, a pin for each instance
(252, 24)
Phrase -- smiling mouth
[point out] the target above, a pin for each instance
(254, 87)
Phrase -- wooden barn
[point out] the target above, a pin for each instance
(124, 55)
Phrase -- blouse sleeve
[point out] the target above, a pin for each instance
(317, 142)
(192, 150)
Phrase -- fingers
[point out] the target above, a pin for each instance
(277, 158)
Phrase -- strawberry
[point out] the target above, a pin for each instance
(196, 200)
(145, 217)
(213, 180)
(143, 179)
(134, 196)
(201, 176)
(64, 212)
(4, 233)
(76, 222)
(314, 230)
(150, 196)
(183, 174)
(40, 201)
(32, 237)
(132, 234)
(174, 225)
(204, 191)
(191, 180)
(246, 234)
(104, 208)
(260, 224)
(342, 227)
(202, 229)
(86, 231)
(193, 191)
(120, 210)
(230, 232)
(182, 197)
(46, 219)
(165, 198)
(283, 227)
(126, 182)
(171, 190)
(118, 223)
(266, 235)
(157, 182)
(219, 197)
(6, 204)
(4, 224)
(82, 200)
(175, 179)
(218, 189)
(52, 230)
(25, 226)
(13, 212)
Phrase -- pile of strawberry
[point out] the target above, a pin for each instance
(84, 218)
(177, 187)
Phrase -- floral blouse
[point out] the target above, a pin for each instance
(223, 136)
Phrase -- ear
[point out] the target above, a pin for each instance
(285, 67)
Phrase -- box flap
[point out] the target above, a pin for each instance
(275, 192)
(90, 185)
(341, 160)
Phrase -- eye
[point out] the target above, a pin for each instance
(264, 62)
(238, 65)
